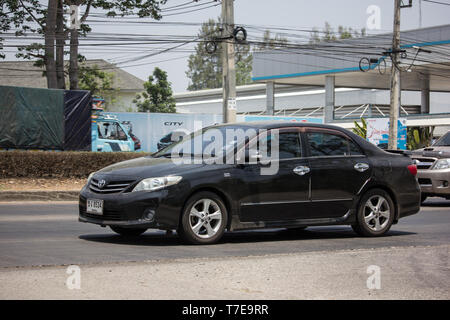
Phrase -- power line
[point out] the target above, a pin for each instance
(196, 5)
(179, 5)
(437, 2)
(193, 10)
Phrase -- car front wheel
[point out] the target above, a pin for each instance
(375, 214)
(204, 219)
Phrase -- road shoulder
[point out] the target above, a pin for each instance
(405, 273)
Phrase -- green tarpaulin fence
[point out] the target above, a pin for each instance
(33, 118)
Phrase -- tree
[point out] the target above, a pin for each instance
(95, 80)
(98, 82)
(141, 8)
(158, 94)
(360, 130)
(330, 35)
(49, 49)
(419, 137)
(270, 42)
(205, 69)
(30, 16)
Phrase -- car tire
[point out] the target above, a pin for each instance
(128, 232)
(423, 198)
(375, 214)
(204, 219)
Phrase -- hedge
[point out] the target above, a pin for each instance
(68, 164)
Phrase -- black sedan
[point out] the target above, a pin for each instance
(256, 175)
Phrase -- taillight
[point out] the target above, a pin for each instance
(413, 169)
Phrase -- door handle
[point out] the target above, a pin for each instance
(361, 166)
(301, 170)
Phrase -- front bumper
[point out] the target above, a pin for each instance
(434, 182)
(131, 209)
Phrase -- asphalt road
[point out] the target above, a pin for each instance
(48, 233)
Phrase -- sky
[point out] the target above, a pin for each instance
(260, 14)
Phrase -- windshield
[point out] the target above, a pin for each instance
(211, 141)
(166, 138)
(443, 141)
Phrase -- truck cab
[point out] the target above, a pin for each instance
(108, 134)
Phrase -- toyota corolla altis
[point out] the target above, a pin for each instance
(254, 175)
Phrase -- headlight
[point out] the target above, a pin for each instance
(442, 164)
(152, 184)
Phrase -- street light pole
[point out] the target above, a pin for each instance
(229, 71)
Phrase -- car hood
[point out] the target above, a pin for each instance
(146, 167)
(435, 152)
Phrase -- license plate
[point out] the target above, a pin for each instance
(94, 206)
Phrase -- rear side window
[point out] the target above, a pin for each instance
(327, 144)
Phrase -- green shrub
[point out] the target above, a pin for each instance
(68, 164)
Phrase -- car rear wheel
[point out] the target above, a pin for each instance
(375, 214)
(204, 219)
(128, 232)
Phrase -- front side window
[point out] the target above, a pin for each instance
(327, 144)
(111, 131)
(215, 141)
(288, 145)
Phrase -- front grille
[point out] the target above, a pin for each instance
(424, 163)
(424, 181)
(110, 186)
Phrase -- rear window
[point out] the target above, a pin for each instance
(444, 141)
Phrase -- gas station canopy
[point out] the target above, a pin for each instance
(425, 62)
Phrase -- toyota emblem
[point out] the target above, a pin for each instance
(101, 183)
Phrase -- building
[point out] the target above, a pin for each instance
(335, 81)
(291, 100)
(126, 85)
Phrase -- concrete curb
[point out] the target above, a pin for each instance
(39, 195)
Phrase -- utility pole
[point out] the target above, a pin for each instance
(420, 14)
(229, 71)
(395, 94)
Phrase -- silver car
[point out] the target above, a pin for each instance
(433, 168)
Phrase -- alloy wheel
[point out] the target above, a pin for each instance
(205, 218)
(377, 213)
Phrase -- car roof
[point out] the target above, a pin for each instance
(271, 124)
(280, 124)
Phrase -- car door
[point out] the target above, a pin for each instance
(283, 194)
(339, 169)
